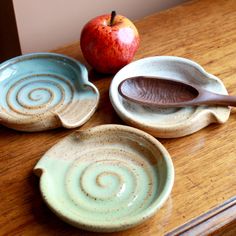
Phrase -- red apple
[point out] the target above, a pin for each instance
(109, 42)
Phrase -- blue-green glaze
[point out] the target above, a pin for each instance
(108, 178)
(38, 89)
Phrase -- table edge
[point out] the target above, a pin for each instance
(216, 219)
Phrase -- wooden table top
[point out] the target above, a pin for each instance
(205, 162)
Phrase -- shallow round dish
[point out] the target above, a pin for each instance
(43, 91)
(168, 122)
(107, 178)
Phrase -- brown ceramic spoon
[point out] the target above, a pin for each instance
(162, 92)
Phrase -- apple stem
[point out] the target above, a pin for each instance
(113, 15)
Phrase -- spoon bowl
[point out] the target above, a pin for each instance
(163, 92)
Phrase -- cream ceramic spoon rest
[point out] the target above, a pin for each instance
(162, 92)
(43, 91)
(169, 122)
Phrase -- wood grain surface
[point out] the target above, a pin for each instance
(205, 162)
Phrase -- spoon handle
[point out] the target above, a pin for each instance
(210, 98)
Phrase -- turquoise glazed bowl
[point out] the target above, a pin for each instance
(42, 91)
(107, 178)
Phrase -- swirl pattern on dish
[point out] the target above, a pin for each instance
(100, 186)
(29, 96)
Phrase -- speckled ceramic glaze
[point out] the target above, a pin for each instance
(169, 122)
(42, 91)
(106, 179)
